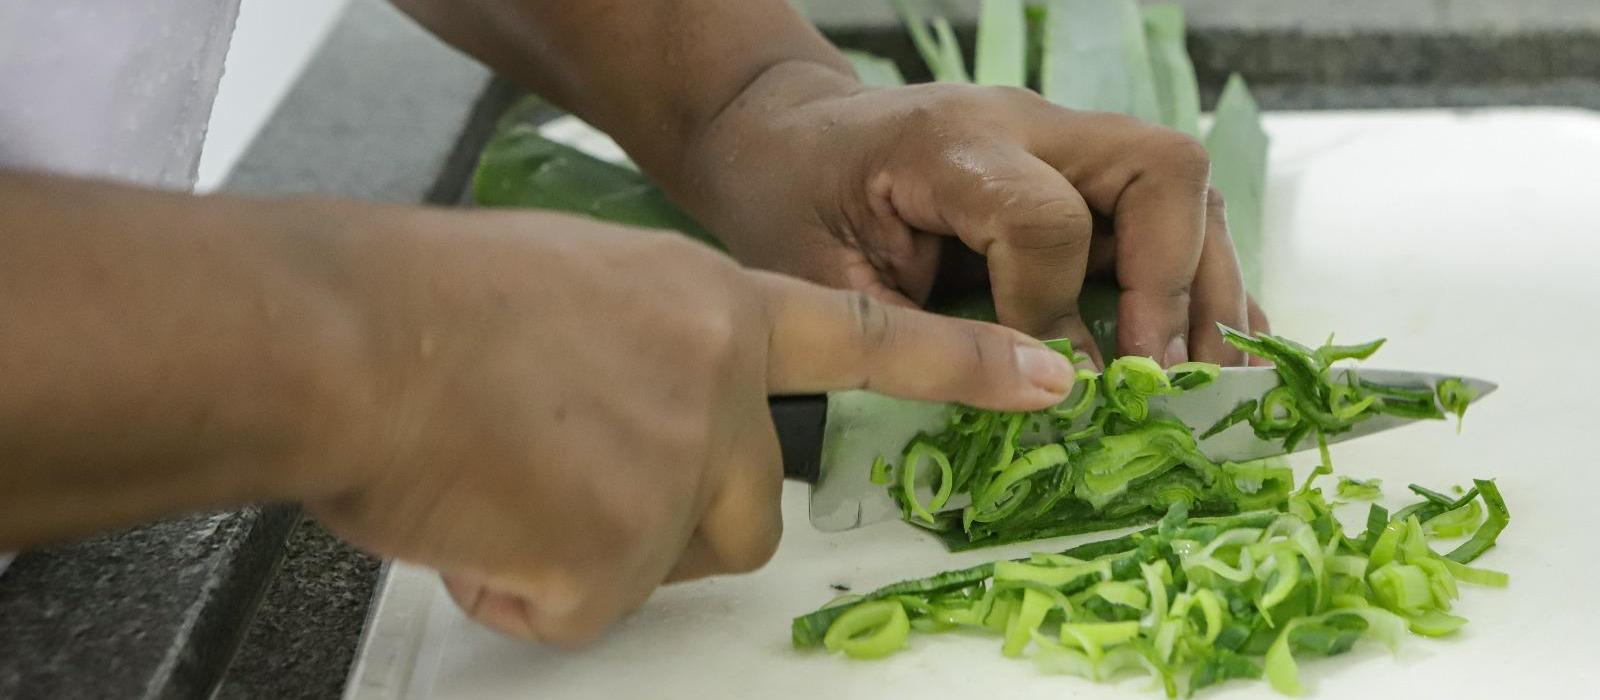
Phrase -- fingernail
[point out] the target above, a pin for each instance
(1047, 369)
(1177, 350)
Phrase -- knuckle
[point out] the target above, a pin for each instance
(872, 323)
(674, 247)
(1119, 122)
(927, 114)
(1054, 225)
(948, 107)
(565, 611)
(1013, 95)
(746, 523)
(690, 446)
(1215, 201)
(752, 548)
(572, 634)
(716, 336)
(630, 522)
(705, 341)
(1185, 156)
(987, 354)
(980, 364)
(701, 296)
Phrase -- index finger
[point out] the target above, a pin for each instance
(823, 339)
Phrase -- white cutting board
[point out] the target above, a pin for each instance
(1471, 239)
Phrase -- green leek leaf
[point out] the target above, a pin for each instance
(875, 71)
(1002, 44)
(1238, 148)
(1177, 90)
(1095, 58)
(520, 168)
(870, 630)
(937, 45)
(1496, 520)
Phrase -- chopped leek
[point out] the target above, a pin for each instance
(1454, 395)
(1103, 459)
(1359, 489)
(869, 630)
(1192, 602)
(1242, 573)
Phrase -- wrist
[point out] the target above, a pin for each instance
(761, 128)
(183, 353)
(778, 90)
(331, 365)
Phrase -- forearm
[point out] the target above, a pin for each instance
(654, 74)
(161, 353)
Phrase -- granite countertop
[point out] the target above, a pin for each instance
(262, 603)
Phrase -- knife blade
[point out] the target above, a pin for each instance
(830, 442)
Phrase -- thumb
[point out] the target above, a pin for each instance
(823, 339)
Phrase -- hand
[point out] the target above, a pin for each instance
(810, 174)
(568, 413)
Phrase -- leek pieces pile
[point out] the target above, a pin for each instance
(1193, 601)
(1115, 464)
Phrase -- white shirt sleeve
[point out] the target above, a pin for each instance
(109, 88)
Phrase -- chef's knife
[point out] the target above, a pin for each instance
(830, 442)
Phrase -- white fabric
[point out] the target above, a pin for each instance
(115, 89)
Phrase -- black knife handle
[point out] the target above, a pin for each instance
(799, 422)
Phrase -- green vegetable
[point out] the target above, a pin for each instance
(1187, 600)
(1238, 147)
(1194, 600)
(1177, 91)
(1095, 58)
(1240, 413)
(1002, 51)
(1455, 523)
(869, 630)
(810, 630)
(1101, 459)
(520, 168)
(1358, 489)
(875, 71)
(1283, 673)
(1454, 396)
(1114, 465)
(1497, 519)
(938, 45)
(908, 476)
(1310, 400)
